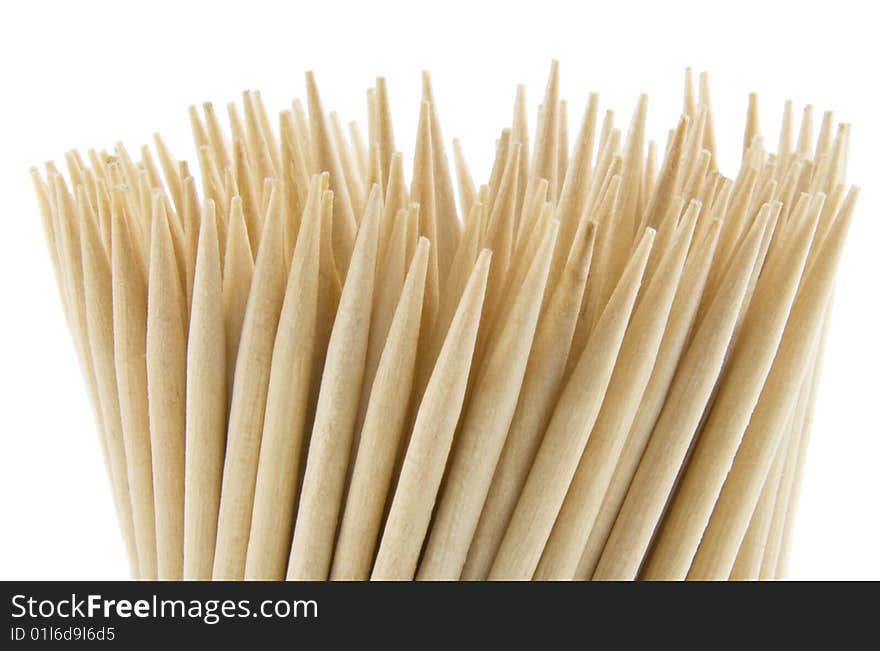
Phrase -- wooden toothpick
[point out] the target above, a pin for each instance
(382, 431)
(206, 406)
(568, 431)
(431, 439)
(248, 402)
(330, 446)
(281, 445)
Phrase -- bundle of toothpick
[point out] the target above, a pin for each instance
(599, 364)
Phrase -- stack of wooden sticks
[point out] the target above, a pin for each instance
(594, 365)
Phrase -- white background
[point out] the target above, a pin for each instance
(84, 74)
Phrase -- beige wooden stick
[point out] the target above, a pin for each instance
(544, 157)
(502, 150)
(295, 169)
(462, 265)
(191, 227)
(326, 158)
(562, 142)
(300, 122)
(396, 199)
(266, 128)
(594, 302)
(281, 445)
(689, 104)
(667, 180)
(659, 465)
(359, 146)
(747, 369)
(248, 402)
(519, 130)
(766, 570)
(773, 544)
(352, 175)
(753, 547)
(206, 407)
(448, 224)
(752, 128)
(166, 393)
(499, 239)
(49, 233)
(330, 446)
(392, 272)
(742, 487)
(520, 264)
(675, 339)
(70, 258)
(104, 212)
(467, 191)
(422, 191)
(435, 424)
(765, 566)
(532, 213)
(540, 387)
(328, 298)
(129, 345)
(734, 228)
(775, 566)
(249, 193)
(665, 233)
(213, 189)
(692, 149)
(638, 351)
(649, 178)
(705, 100)
(257, 140)
(485, 424)
(384, 130)
(382, 432)
(98, 300)
(170, 171)
(626, 228)
(567, 433)
(65, 220)
(573, 196)
(238, 271)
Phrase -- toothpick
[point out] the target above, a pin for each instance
(166, 392)
(448, 224)
(238, 271)
(97, 295)
(467, 191)
(736, 502)
(751, 552)
(750, 362)
(330, 444)
(697, 373)
(622, 398)
(281, 445)
(129, 293)
(675, 339)
(382, 431)
(775, 564)
(247, 406)
(540, 387)
(326, 158)
(544, 157)
(568, 431)
(485, 424)
(206, 407)
(279, 359)
(438, 414)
